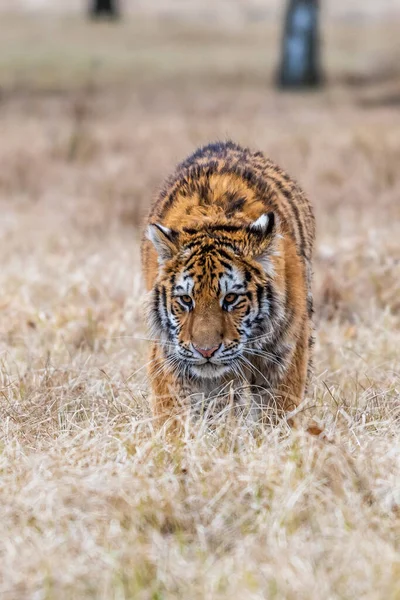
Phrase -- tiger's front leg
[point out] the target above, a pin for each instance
(290, 392)
(167, 398)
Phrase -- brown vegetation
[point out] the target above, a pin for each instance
(94, 503)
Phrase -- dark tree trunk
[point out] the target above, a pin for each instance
(104, 8)
(300, 62)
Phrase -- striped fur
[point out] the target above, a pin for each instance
(227, 261)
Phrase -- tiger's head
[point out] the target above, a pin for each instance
(214, 294)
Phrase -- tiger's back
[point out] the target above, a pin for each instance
(226, 205)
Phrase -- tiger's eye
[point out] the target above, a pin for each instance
(230, 298)
(186, 300)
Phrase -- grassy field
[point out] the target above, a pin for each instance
(94, 502)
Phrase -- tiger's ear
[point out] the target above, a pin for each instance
(262, 233)
(263, 227)
(165, 240)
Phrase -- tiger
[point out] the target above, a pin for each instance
(227, 261)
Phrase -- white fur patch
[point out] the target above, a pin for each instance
(153, 233)
(261, 223)
(159, 236)
(265, 261)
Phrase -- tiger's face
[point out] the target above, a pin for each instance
(214, 297)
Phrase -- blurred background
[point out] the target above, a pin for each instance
(127, 87)
(158, 77)
(98, 102)
(99, 99)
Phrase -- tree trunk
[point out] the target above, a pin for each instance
(104, 8)
(300, 63)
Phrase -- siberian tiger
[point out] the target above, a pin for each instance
(227, 259)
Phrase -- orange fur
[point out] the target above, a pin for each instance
(229, 220)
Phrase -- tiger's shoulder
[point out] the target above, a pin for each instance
(224, 182)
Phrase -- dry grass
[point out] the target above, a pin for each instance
(94, 503)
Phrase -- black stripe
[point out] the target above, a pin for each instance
(260, 293)
(227, 228)
(227, 266)
(234, 205)
(270, 294)
(289, 197)
(156, 308)
(164, 305)
(310, 306)
(240, 304)
(196, 242)
(222, 252)
(247, 275)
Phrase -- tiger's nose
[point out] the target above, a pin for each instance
(207, 352)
